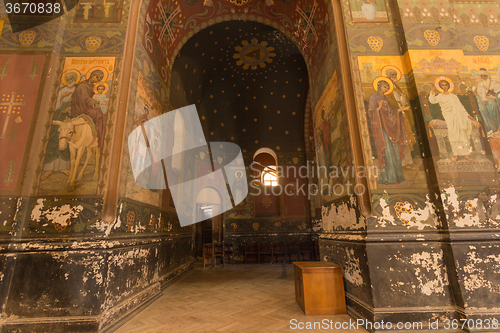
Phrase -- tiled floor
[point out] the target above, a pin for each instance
(240, 298)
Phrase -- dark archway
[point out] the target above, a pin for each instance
(249, 83)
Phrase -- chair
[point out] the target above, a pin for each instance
(291, 249)
(279, 250)
(306, 248)
(251, 248)
(265, 249)
(219, 252)
(208, 253)
(229, 252)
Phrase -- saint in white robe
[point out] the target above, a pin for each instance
(457, 120)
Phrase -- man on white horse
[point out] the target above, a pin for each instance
(83, 104)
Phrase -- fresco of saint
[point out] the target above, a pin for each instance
(488, 102)
(83, 104)
(389, 132)
(57, 160)
(398, 99)
(456, 117)
(100, 95)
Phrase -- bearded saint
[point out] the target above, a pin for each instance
(57, 160)
(84, 104)
(488, 102)
(398, 100)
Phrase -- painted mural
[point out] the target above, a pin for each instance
(461, 107)
(391, 123)
(147, 106)
(20, 77)
(170, 23)
(245, 209)
(366, 11)
(332, 144)
(100, 11)
(2, 21)
(78, 127)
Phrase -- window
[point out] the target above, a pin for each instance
(266, 162)
(269, 177)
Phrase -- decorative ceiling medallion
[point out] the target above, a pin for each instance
(253, 54)
(239, 2)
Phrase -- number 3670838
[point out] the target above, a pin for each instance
(30, 8)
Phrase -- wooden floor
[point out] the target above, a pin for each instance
(239, 298)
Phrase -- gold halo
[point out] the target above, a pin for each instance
(103, 69)
(436, 83)
(238, 174)
(63, 76)
(385, 68)
(381, 78)
(106, 86)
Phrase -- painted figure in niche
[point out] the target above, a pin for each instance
(339, 150)
(398, 100)
(100, 91)
(458, 120)
(154, 174)
(83, 103)
(138, 153)
(334, 152)
(239, 186)
(389, 132)
(57, 160)
(325, 139)
(488, 102)
(156, 178)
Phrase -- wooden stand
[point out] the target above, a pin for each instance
(319, 288)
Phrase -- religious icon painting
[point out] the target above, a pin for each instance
(100, 11)
(20, 78)
(461, 112)
(147, 107)
(368, 11)
(81, 107)
(395, 151)
(332, 143)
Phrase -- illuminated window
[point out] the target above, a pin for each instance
(269, 176)
(266, 163)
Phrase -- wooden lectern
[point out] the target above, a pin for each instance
(319, 288)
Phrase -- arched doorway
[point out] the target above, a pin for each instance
(208, 210)
(249, 83)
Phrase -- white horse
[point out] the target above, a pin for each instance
(78, 134)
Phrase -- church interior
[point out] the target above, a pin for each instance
(368, 135)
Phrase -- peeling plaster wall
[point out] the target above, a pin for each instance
(410, 277)
(350, 254)
(472, 208)
(105, 279)
(409, 210)
(478, 264)
(63, 261)
(342, 215)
